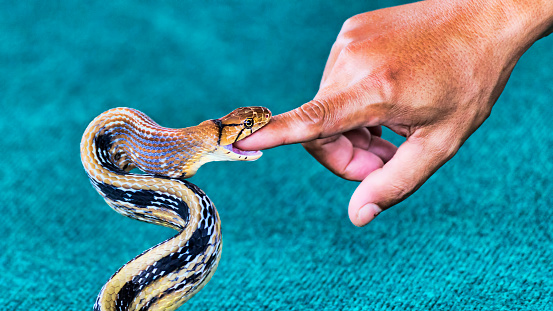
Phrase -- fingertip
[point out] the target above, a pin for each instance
(287, 128)
(365, 214)
(252, 142)
(266, 137)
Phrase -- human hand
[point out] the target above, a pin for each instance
(430, 71)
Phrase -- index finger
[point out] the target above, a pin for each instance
(313, 120)
(283, 129)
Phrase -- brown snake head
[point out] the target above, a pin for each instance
(237, 125)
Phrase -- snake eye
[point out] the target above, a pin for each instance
(248, 123)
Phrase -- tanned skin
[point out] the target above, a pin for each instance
(430, 71)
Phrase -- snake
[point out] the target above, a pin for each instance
(140, 169)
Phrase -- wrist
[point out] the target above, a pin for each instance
(532, 19)
(509, 25)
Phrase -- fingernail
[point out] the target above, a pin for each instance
(367, 213)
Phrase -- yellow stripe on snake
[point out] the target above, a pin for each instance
(121, 139)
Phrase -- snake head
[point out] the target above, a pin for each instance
(238, 125)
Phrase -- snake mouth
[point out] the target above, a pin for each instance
(243, 153)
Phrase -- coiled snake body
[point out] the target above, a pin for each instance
(168, 274)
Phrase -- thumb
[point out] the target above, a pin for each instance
(414, 162)
(316, 119)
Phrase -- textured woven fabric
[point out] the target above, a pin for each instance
(476, 236)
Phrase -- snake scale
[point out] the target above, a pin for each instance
(121, 139)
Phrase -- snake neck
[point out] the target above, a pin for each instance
(126, 138)
(110, 142)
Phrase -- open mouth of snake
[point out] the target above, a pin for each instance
(238, 151)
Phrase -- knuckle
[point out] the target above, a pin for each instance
(349, 32)
(385, 78)
(312, 114)
(343, 40)
(352, 22)
(480, 115)
(444, 147)
(353, 48)
(402, 188)
(386, 74)
(396, 192)
(448, 151)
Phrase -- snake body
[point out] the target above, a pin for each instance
(121, 139)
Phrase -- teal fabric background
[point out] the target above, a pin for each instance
(476, 236)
